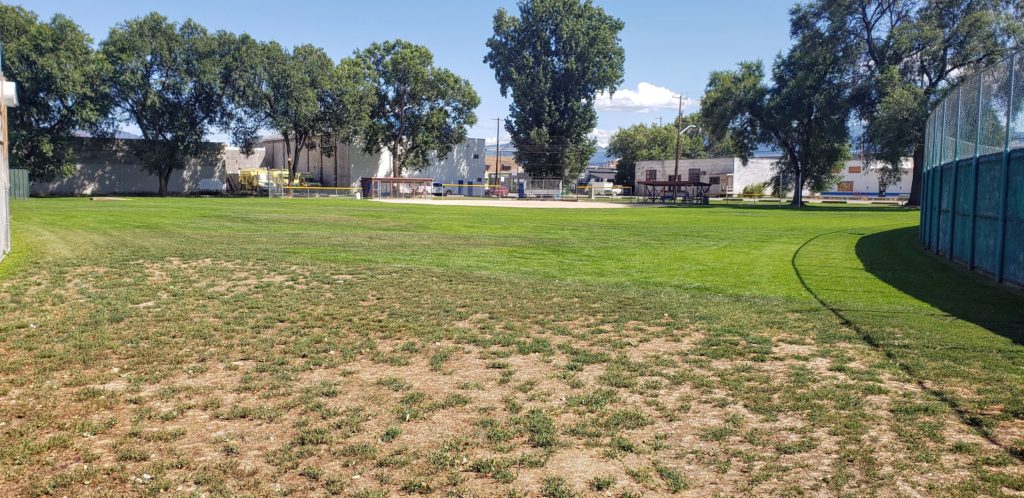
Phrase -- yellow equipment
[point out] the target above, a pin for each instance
(259, 179)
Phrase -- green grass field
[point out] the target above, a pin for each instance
(328, 347)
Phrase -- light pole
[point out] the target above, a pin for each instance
(497, 151)
(679, 133)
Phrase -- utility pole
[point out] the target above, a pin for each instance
(679, 132)
(497, 152)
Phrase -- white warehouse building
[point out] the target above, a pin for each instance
(348, 164)
(108, 167)
(729, 176)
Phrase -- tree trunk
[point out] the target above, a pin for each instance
(165, 178)
(396, 163)
(287, 161)
(915, 183)
(798, 190)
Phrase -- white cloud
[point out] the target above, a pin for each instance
(602, 136)
(646, 98)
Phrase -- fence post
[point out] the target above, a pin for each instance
(956, 174)
(938, 193)
(974, 175)
(1004, 174)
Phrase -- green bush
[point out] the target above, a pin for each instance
(755, 189)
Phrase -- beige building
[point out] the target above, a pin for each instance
(507, 169)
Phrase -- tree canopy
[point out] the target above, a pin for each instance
(804, 112)
(908, 53)
(553, 59)
(418, 111)
(301, 94)
(61, 89)
(166, 79)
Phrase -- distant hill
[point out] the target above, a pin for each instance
(600, 157)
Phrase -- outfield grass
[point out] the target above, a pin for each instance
(272, 347)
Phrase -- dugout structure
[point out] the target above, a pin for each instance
(972, 202)
(395, 188)
(539, 188)
(685, 192)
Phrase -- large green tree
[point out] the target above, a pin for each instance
(909, 52)
(553, 59)
(165, 78)
(60, 89)
(804, 112)
(300, 94)
(418, 111)
(640, 142)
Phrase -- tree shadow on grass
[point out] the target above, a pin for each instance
(913, 309)
(813, 208)
(896, 258)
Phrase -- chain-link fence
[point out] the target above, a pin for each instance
(972, 206)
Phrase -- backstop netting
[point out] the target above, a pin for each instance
(972, 203)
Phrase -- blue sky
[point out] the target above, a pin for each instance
(671, 45)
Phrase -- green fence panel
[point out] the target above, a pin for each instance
(972, 199)
(1013, 251)
(962, 231)
(945, 208)
(986, 220)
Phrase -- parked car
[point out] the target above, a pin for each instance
(498, 191)
(438, 189)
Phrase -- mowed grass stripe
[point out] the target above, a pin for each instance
(257, 346)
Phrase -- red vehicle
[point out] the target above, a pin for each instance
(498, 191)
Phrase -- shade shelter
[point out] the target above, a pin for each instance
(392, 187)
(683, 192)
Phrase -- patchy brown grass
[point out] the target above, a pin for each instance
(232, 377)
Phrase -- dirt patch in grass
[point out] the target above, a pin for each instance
(227, 377)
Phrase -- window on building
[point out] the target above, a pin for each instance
(694, 174)
(855, 169)
(476, 156)
(506, 167)
(673, 178)
(715, 180)
(845, 187)
(652, 175)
